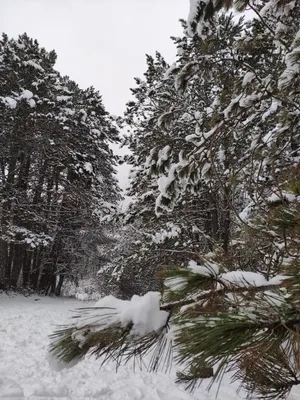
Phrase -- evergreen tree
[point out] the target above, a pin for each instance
(57, 170)
(235, 308)
(163, 115)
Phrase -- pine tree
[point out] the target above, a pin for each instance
(159, 124)
(234, 308)
(57, 171)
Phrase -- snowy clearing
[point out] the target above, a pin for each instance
(25, 372)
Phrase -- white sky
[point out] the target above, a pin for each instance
(99, 42)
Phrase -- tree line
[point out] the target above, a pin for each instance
(57, 177)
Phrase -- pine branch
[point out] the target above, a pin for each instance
(269, 375)
(110, 341)
(253, 347)
(220, 292)
(194, 376)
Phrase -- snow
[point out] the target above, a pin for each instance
(88, 167)
(249, 76)
(175, 284)
(186, 72)
(171, 231)
(221, 156)
(69, 111)
(274, 198)
(277, 280)
(235, 278)
(207, 270)
(63, 98)
(10, 102)
(192, 13)
(292, 69)
(244, 278)
(247, 101)
(96, 132)
(229, 108)
(194, 4)
(283, 10)
(164, 182)
(206, 167)
(162, 118)
(170, 70)
(273, 108)
(25, 373)
(289, 197)
(244, 215)
(142, 311)
(31, 102)
(163, 155)
(84, 114)
(34, 65)
(26, 94)
(248, 278)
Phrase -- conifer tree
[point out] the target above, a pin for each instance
(57, 170)
(233, 309)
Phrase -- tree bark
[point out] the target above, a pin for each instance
(59, 285)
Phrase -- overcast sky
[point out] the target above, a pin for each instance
(99, 42)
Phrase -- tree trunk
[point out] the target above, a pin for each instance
(46, 275)
(26, 267)
(4, 266)
(226, 220)
(59, 285)
(35, 271)
(18, 259)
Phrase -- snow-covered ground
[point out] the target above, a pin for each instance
(26, 374)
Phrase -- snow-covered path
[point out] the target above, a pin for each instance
(25, 372)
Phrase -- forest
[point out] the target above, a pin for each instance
(201, 268)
